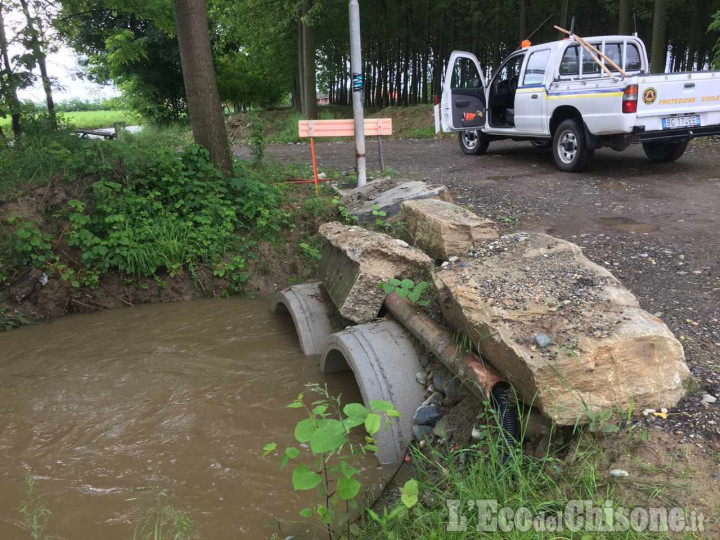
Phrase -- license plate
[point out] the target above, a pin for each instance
(675, 122)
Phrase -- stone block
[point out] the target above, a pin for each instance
(605, 353)
(356, 261)
(443, 230)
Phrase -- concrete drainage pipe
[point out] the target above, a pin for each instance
(384, 359)
(312, 312)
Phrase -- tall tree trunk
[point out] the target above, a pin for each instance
(34, 32)
(300, 82)
(9, 86)
(309, 81)
(496, 36)
(625, 28)
(696, 35)
(203, 100)
(659, 45)
(564, 16)
(522, 23)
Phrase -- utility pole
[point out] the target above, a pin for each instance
(356, 84)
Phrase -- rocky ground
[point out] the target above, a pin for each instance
(656, 226)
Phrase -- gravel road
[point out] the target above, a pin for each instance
(656, 226)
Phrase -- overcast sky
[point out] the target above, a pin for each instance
(63, 69)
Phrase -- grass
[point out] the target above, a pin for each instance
(44, 155)
(166, 523)
(281, 125)
(34, 512)
(490, 471)
(90, 119)
(99, 119)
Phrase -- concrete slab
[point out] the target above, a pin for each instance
(356, 261)
(388, 194)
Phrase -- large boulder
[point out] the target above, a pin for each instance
(565, 332)
(442, 229)
(355, 261)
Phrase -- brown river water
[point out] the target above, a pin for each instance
(118, 414)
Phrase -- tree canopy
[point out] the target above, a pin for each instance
(260, 59)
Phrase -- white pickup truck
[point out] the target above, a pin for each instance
(556, 95)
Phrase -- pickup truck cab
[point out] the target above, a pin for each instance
(556, 95)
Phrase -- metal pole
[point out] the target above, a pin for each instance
(357, 90)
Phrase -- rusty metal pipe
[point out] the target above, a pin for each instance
(470, 368)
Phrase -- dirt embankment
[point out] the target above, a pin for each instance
(31, 295)
(280, 125)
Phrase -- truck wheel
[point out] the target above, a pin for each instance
(569, 149)
(473, 142)
(664, 152)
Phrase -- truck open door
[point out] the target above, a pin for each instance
(463, 97)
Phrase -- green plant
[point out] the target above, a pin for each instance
(34, 245)
(168, 211)
(167, 523)
(327, 431)
(310, 251)
(408, 497)
(407, 288)
(508, 220)
(347, 217)
(601, 421)
(493, 470)
(34, 512)
(257, 139)
(14, 319)
(379, 216)
(234, 270)
(319, 206)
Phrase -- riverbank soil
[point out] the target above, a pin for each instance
(271, 265)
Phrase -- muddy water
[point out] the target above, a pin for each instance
(121, 413)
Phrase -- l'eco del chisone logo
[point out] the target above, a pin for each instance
(649, 96)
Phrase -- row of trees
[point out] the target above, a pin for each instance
(407, 42)
(265, 50)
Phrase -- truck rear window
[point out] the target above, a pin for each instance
(632, 58)
(574, 57)
(570, 61)
(535, 69)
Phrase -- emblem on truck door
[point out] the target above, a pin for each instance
(649, 96)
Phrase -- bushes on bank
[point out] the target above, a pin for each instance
(146, 207)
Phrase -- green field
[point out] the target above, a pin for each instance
(90, 119)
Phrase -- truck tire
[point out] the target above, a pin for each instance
(664, 152)
(569, 149)
(473, 142)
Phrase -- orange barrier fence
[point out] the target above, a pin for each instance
(374, 127)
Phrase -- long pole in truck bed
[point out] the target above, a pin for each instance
(590, 48)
